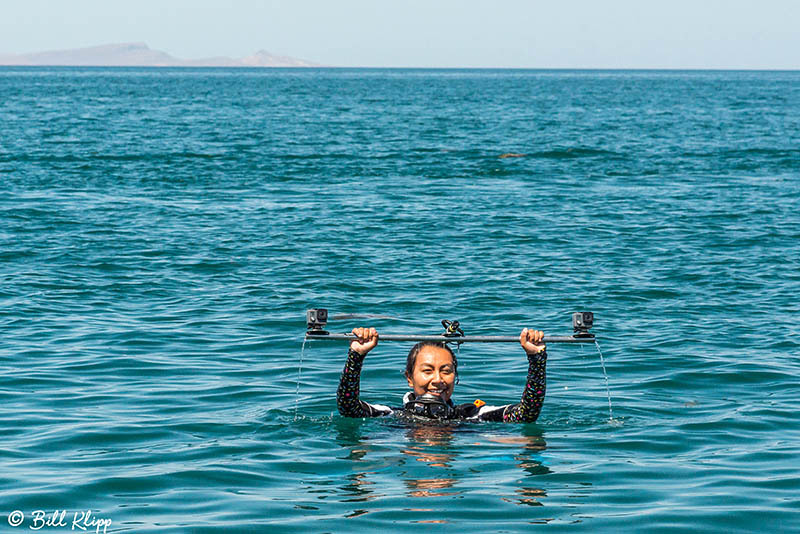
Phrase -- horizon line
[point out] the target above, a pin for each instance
(340, 67)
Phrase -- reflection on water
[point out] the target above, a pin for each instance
(357, 488)
(530, 496)
(528, 460)
(432, 460)
(431, 445)
(426, 487)
(532, 444)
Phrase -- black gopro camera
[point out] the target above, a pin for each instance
(581, 323)
(317, 319)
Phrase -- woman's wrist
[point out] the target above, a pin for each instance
(360, 354)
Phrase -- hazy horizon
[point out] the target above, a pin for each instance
(577, 34)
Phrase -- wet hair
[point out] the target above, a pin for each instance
(415, 350)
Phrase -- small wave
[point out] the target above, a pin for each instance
(563, 153)
(85, 158)
(782, 153)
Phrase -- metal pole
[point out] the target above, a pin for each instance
(448, 339)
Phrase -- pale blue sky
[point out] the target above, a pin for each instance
(750, 34)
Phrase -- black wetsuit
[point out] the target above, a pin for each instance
(526, 411)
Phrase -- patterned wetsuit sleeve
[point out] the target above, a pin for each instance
(528, 410)
(347, 396)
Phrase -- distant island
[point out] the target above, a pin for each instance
(141, 55)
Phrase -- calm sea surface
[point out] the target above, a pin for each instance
(162, 232)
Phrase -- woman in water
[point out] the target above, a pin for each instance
(432, 372)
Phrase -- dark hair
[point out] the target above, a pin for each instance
(415, 350)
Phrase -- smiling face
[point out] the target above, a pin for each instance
(434, 373)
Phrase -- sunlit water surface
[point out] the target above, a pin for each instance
(162, 232)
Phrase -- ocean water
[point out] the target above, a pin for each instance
(162, 232)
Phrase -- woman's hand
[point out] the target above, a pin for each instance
(531, 341)
(366, 340)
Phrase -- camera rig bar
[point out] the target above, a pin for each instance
(316, 320)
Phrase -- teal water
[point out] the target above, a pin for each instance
(162, 233)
